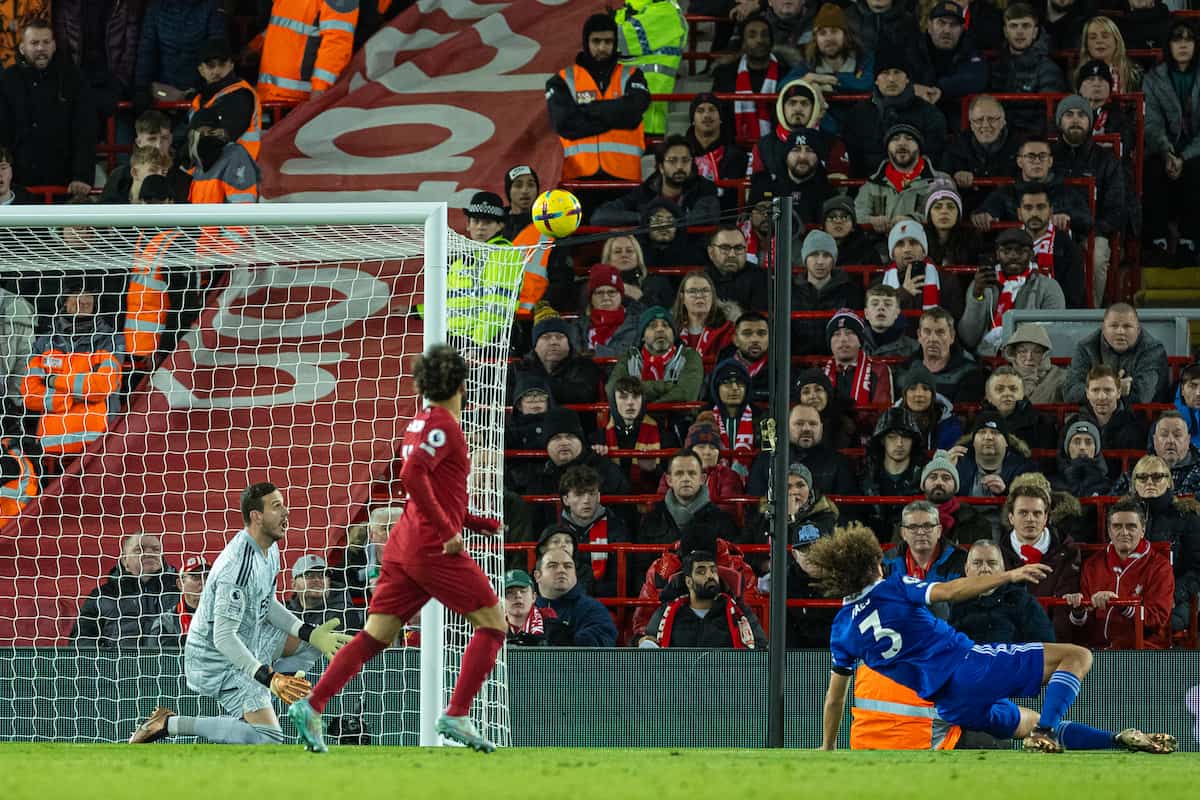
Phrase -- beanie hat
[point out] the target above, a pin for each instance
(547, 320)
(944, 191)
(941, 460)
(703, 431)
(989, 419)
(605, 275)
(892, 57)
(726, 369)
(917, 374)
(837, 203)
(849, 320)
(1072, 101)
(486, 205)
(598, 23)
(818, 241)
(700, 99)
(562, 420)
(649, 315)
(798, 470)
(516, 172)
(1084, 426)
(904, 127)
(831, 15)
(907, 229)
(813, 375)
(1094, 69)
(797, 87)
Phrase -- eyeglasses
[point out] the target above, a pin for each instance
(996, 120)
(697, 292)
(927, 527)
(1036, 158)
(730, 248)
(1151, 477)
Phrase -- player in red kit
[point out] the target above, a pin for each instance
(425, 557)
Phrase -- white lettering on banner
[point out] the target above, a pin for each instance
(466, 130)
(442, 190)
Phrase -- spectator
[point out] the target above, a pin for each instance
(951, 241)
(686, 505)
(1128, 569)
(705, 439)
(735, 280)
(192, 576)
(526, 628)
(103, 44)
(923, 554)
(1094, 83)
(1169, 441)
(596, 107)
(1082, 470)
(833, 59)
(757, 71)
(791, 25)
(143, 162)
(1032, 538)
(1004, 393)
(957, 376)
(807, 627)
(854, 245)
(895, 460)
(1063, 20)
(1175, 520)
(591, 523)
(806, 432)
(570, 617)
(1145, 25)
(525, 429)
(134, 607)
(947, 66)
(1068, 204)
(989, 457)
(1014, 283)
(305, 48)
(666, 242)
(984, 23)
(73, 377)
(821, 287)
(888, 330)
(960, 522)
(225, 172)
(987, 149)
(559, 537)
(364, 552)
(1139, 359)
(629, 427)
(893, 102)
(856, 377)
(1119, 427)
(47, 118)
(1007, 615)
(929, 411)
(314, 599)
(676, 179)
(670, 372)
(1028, 352)
(565, 449)
(757, 226)
(1102, 41)
(607, 325)
(716, 155)
(173, 31)
(233, 98)
(801, 175)
(700, 317)
(1172, 91)
(521, 188)
(883, 24)
(810, 515)
(706, 616)
(625, 253)
(572, 378)
(1054, 251)
(10, 193)
(901, 184)
(799, 106)
(1025, 67)
(1187, 400)
(813, 388)
(737, 420)
(911, 272)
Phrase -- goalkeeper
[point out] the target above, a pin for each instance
(238, 631)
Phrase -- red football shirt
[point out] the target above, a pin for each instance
(434, 476)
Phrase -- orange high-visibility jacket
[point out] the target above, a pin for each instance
(147, 303)
(233, 179)
(307, 45)
(617, 152)
(252, 138)
(533, 285)
(17, 493)
(888, 716)
(75, 393)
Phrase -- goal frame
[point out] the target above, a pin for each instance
(432, 216)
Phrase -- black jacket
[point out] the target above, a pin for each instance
(1091, 160)
(1064, 559)
(1071, 200)
(866, 123)
(48, 121)
(1177, 520)
(571, 120)
(657, 526)
(1123, 432)
(807, 196)
(617, 532)
(709, 631)
(958, 73)
(1065, 33)
(830, 470)
(120, 183)
(1032, 71)
(965, 154)
(859, 247)
(125, 611)
(1009, 615)
(1145, 28)
(236, 108)
(731, 165)
(698, 202)
(843, 291)
(961, 381)
(896, 27)
(1029, 425)
(576, 380)
(748, 287)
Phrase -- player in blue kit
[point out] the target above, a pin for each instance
(885, 622)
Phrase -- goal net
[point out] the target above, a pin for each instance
(283, 354)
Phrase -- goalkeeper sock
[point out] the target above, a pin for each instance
(1061, 691)
(224, 730)
(344, 666)
(1077, 736)
(478, 660)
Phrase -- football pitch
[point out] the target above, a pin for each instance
(216, 772)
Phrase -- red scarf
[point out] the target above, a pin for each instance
(753, 367)
(1008, 292)
(931, 293)
(731, 619)
(1117, 564)
(913, 569)
(655, 367)
(648, 438)
(604, 325)
(598, 534)
(946, 513)
(1101, 118)
(1043, 251)
(899, 179)
(709, 341)
(708, 164)
(185, 616)
(860, 388)
(743, 435)
(752, 120)
(533, 623)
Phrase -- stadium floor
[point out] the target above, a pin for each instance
(215, 772)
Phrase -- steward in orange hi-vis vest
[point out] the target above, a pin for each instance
(20, 480)
(148, 303)
(888, 716)
(233, 98)
(306, 46)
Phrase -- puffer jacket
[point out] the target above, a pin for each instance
(127, 611)
(1008, 615)
(172, 32)
(1030, 72)
(1164, 114)
(120, 35)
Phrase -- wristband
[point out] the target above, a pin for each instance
(263, 675)
(306, 632)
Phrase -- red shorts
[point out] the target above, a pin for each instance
(455, 581)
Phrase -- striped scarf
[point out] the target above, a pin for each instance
(931, 294)
(1043, 251)
(860, 388)
(751, 119)
(533, 624)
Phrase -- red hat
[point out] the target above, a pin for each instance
(605, 275)
(193, 564)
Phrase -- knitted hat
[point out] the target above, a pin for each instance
(838, 202)
(830, 16)
(802, 472)
(944, 192)
(598, 23)
(726, 369)
(605, 275)
(1084, 426)
(1094, 69)
(808, 136)
(1017, 236)
(846, 319)
(904, 127)
(562, 420)
(486, 205)
(797, 87)
(1071, 101)
(907, 229)
(703, 431)
(818, 241)
(892, 57)
(813, 375)
(917, 374)
(989, 419)
(215, 49)
(547, 320)
(701, 98)
(516, 172)
(948, 9)
(941, 460)
(649, 315)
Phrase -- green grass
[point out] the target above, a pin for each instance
(214, 772)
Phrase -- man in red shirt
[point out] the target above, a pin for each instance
(425, 557)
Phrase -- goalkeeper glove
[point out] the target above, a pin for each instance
(325, 640)
(288, 688)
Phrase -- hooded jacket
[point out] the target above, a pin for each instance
(125, 611)
(962, 379)
(1044, 383)
(770, 152)
(878, 197)
(1016, 462)
(1008, 615)
(1146, 574)
(527, 431)
(625, 336)
(698, 202)
(884, 518)
(867, 122)
(1145, 361)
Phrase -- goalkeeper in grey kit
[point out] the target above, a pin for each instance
(239, 631)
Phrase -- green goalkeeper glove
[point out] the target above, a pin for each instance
(328, 642)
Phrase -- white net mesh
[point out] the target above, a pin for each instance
(282, 356)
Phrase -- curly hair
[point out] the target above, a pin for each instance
(848, 561)
(440, 372)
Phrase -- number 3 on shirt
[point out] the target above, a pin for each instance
(871, 623)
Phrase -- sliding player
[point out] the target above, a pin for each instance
(239, 629)
(885, 622)
(425, 558)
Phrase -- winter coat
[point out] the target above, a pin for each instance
(337, 605)
(1016, 462)
(731, 163)
(1082, 477)
(1145, 362)
(527, 431)
(958, 74)
(1070, 200)
(1191, 415)
(1164, 114)
(821, 513)
(1066, 32)
(830, 469)
(576, 620)
(1029, 425)
(684, 389)
(970, 524)
(858, 248)
(866, 123)
(1090, 160)
(964, 153)
(1064, 559)
(625, 336)
(1007, 615)
(1040, 292)
(878, 197)
(1028, 72)
(627, 437)
(48, 122)
(842, 291)
(1177, 520)
(172, 33)
(1146, 28)
(712, 630)
(860, 79)
(736, 575)
(770, 151)
(1122, 432)
(698, 202)
(748, 287)
(895, 342)
(960, 382)
(125, 611)
(946, 428)
(807, 196)
(1045, 384)
(1147, 576)
(544, 479)
(884, 518)
(896, 27)
(120, 36)
(576, 380)
(616, 532)
(722, 483)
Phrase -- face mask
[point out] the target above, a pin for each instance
(208, 150)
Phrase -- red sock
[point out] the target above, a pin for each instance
(344, 666)
(478, 660)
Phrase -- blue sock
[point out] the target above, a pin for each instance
(1061, 691)
(1077, 736)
